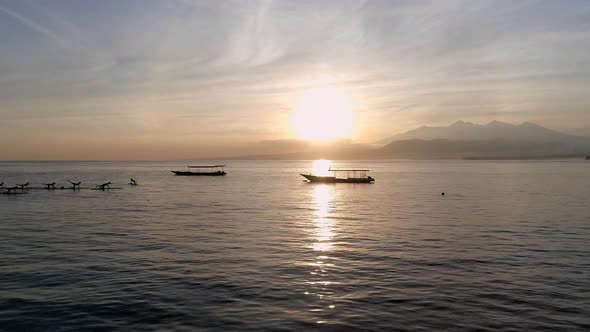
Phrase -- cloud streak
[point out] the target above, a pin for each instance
(235, 68)
(33, 25)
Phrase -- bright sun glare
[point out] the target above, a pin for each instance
(322, 114)
(321, 167)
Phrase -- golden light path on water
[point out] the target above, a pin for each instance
(323, 195)
(322, 236)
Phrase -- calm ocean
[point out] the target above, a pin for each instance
(507, 248)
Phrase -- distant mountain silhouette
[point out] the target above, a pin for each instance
(460, 130)
(461, 140)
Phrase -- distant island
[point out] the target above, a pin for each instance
(460, 140)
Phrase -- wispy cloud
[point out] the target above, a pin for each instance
(33, 25)
(234, 68)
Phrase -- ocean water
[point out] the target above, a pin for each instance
(506, 248)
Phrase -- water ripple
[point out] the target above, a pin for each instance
(260, 250)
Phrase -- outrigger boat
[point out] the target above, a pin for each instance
(210, 170)
(352, 176)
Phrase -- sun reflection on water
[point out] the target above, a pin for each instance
(324, 229)
(322, 237)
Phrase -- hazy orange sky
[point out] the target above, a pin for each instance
(184, 79)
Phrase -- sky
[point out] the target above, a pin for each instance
(178, 79)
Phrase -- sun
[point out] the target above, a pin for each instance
(323, 113)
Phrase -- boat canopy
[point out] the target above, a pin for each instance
(206, 166)
(351, 173)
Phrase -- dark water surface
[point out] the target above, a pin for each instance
(507, 248)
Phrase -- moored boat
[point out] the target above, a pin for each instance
(206, 170)
(352, 176)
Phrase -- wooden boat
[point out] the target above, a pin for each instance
(208, 170)
(353, 176)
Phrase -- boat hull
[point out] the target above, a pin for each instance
(333, 179)
(188, 173)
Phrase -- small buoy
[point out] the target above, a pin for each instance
(442, 194)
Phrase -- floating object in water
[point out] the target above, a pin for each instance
(2, 185)
(210, 170)
(104, 186)
(75, 184)
(352, 176)
(12, 191)
(133, 182)
(442, 194)
(25, 188)
(105, 189)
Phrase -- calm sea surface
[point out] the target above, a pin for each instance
(507, 248)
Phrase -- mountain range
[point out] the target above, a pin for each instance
(460, 140)
(495, 130)
(495, 140)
